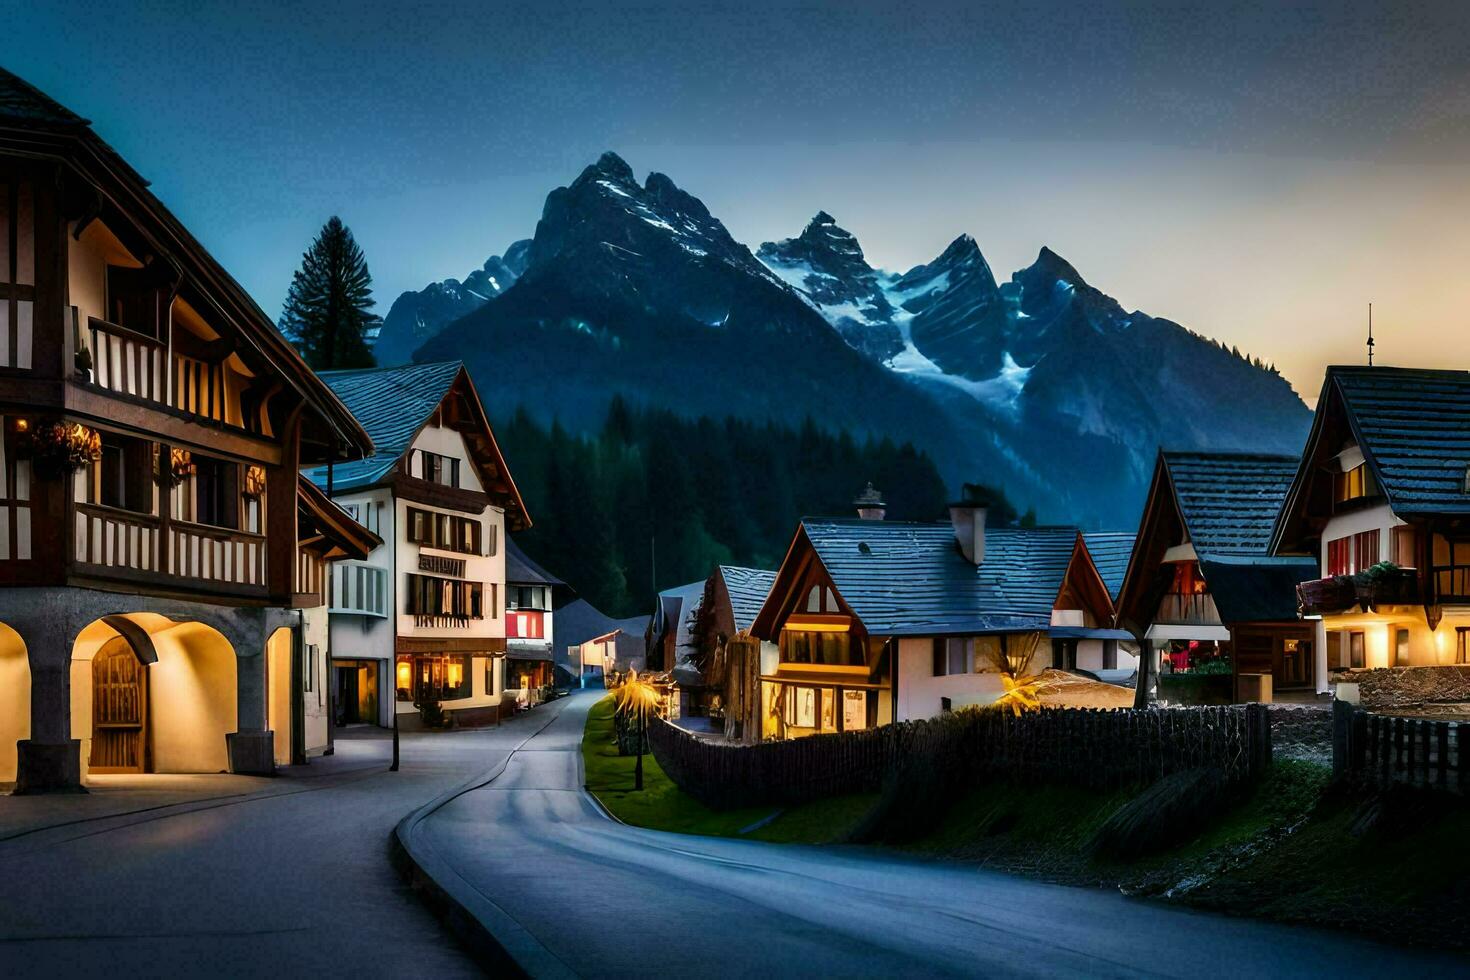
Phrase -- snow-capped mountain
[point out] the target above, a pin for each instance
(416, 316)
(1042, 384)
(637, 288)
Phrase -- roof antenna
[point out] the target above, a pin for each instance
(1370, 334)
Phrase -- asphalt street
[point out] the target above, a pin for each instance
(600, 898)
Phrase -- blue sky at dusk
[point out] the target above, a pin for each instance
(1255, 172)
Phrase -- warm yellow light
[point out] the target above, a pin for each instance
(405, 674)
(456, 674)
(22, 425)
(818, 627)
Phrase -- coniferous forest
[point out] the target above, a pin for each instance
(652, 500)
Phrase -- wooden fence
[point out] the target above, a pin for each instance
(1380, 750)
(1100, 749)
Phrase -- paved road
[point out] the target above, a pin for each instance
(596, 898)
(289, 879)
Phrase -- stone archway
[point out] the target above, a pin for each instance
(190, 691)
(15, 699)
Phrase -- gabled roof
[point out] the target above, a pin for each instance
(521, 570)
(1110, 551)
(909, 579)
(1226, 505)
(45, 128)
(1413, 428)
(393, 405)
(748, 588)
(21, 101)
(580, 621)
(1229, 501)
(341, 536)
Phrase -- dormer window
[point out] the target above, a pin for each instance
(443, 470)
(1354, 484)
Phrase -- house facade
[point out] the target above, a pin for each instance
(530, 639)
(1381, 500)
(423, 618)
(152, 427)
(1082, 633)
(877, 621)
(1212, 608)
(735, 659)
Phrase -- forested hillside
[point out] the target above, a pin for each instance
(653, 490)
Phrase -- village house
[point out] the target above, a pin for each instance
(1082, 633)
(161, 560)
(671, 654)
(735, 660)
(598, 646)
(1214, 609)
(422, 620)
(1381, 499)
(530, 662)
(877, 621)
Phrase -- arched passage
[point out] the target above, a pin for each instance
(178, 694)
(15, 699)
(278, 692)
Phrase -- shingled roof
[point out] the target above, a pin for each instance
(910, 579)
(1413, 427)
(748, 588)
(1229, 501)
(521, 570)
(1110, 551)
(19, 100)
(392, 404)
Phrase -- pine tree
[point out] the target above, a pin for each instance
(327, 310)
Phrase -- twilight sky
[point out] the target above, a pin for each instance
(1256, 172)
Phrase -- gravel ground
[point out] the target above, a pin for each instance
(1302, 731)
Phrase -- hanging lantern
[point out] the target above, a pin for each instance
(254, 482)
(180, 466)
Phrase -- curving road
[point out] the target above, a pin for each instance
(575, 893)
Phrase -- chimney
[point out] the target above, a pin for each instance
(969, 530)
(870, 505)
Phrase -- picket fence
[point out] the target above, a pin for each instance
(1380, 750)
(1096, 748)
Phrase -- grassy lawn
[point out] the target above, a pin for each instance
(663, 806)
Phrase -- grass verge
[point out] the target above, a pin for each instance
(661, 805)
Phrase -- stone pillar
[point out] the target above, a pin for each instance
(251, 747)
(50, 760)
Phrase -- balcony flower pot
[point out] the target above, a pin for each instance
(1326, 595)
(56, 449)
(1386, 584)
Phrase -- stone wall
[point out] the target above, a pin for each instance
(1387, 689)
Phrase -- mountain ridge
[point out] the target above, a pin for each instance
(1042, 384)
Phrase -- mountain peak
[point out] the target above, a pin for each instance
(1050, 265)
(822, 218)
(612, 167)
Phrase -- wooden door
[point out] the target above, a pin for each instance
(119, 710)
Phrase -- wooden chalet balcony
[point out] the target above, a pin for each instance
(126, 361)
(121, 544)
(1339, 593)
(131, 363)
(1192, 610)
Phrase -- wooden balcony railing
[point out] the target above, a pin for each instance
(109, 538)
(216, 554)
(115, 538)
(1193, 610)
(126, 361)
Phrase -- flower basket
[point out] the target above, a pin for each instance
(57, 449)
(1386, 584)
